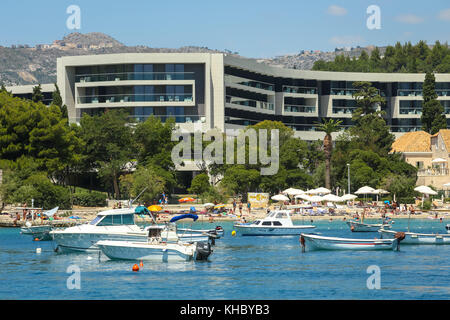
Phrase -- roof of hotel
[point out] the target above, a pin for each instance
(416, 141)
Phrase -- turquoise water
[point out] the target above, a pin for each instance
(241, 268)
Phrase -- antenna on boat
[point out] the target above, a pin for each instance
(133, 200)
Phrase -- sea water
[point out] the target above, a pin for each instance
(240, 268)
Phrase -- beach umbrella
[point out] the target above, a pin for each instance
(280, 197)
(303, 197)
(348, 197)
(309, 198)
(50, 213)
(311, 191)
(322, 190)
(425, 190)
(332, 198)
(447, 184)
(186, 199)
(316, 199)
(365, 190)
(208, 205)
(293, 191)
(154, 208)
(380, 191)
(438, 160)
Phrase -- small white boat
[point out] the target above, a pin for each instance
(39, 232)
(277, 223)
(316, 242)
(356, 226)
(162, 245)
(448, 228)
(417, 238)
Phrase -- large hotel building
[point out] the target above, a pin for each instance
(213, 90)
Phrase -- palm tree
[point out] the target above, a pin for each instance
(328, 127)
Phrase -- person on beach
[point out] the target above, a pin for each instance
(240, 208)
(249, 207)
(234, 206)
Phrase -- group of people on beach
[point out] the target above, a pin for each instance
(33, 214)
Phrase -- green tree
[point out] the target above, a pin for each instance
(200, 184)
(433, 117)
(367, 99)
(108, 145)
(57, 100)
(37, 95)
(328, 127)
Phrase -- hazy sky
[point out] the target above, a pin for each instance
(253, 28)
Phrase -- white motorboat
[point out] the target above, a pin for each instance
(115, 224)
(316, 242)
(356, 226)
(277, 223)
(162, 245)
(417, 238)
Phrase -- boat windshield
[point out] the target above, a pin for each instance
(256, 222)
(281, 215)
(97, 219)
(116, 219)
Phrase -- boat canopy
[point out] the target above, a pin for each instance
(185, 216)
(142, 210)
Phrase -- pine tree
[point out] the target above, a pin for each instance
(37, 94)
(433, 117)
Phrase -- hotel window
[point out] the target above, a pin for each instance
(419, 164)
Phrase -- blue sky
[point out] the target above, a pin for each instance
(252, 28)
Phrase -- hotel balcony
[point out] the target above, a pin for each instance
(126, 99)
(132, 76)
(433, 172)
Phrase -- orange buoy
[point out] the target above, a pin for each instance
(135, 268)
(141, 264)
(36, 239)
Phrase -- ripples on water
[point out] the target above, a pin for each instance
(240, 268)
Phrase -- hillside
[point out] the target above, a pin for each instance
(22, 64)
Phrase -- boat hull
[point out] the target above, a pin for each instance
(418, 238)
(247, 230)
(313, 242)
(366, 227)
(124, 250)
(40, 232)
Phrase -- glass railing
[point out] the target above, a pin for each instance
(297, 108)
(134, 76)
(404, 128)
(349, 92)
(118, 98)
(304, 90)
(258, 85)
(443, 93)
(409, 93)
(411, 111)
(178, 118)
(343, 110)
(250, 103)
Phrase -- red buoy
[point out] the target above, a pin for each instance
(135, 268)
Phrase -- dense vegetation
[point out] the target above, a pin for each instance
(405, 58)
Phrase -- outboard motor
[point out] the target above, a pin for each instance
(203, 250)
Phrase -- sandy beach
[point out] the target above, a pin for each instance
(88, 214)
